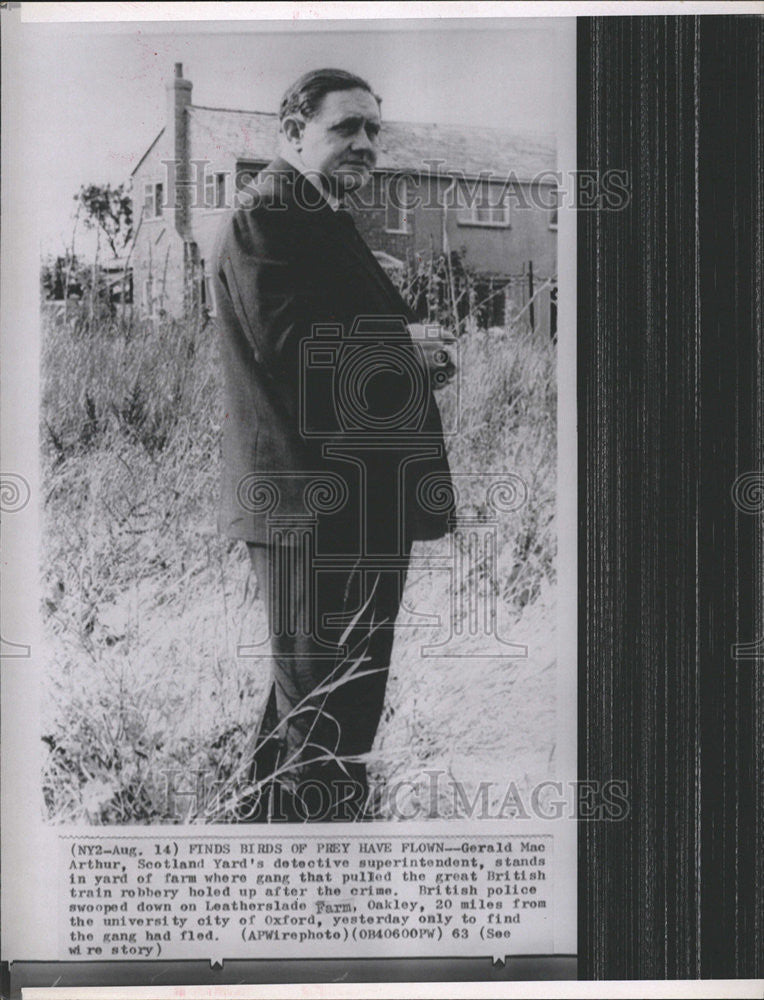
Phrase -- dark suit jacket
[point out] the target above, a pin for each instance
(352, 399)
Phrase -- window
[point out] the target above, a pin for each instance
(152, 200)
(553, 211)
(483, 204)
(215, 190)
(397, 216)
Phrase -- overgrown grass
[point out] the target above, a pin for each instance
(149, 710)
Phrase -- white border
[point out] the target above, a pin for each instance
(308, 13)
(612, 990)
(29, 896)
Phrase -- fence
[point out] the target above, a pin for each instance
(443, 291)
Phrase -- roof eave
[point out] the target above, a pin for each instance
(138, 164)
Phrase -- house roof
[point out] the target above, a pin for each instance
(137, 165)
(464, 149)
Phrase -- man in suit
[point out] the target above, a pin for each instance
(333, 454)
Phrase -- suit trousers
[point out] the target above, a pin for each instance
(331, 624)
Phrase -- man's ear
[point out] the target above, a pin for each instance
(292, 127)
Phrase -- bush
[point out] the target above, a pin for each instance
(150, 710)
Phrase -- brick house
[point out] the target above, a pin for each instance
(484, 193)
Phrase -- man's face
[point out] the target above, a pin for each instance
(340, 141)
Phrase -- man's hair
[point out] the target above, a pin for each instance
(304, 97)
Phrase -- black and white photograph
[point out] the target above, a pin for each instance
(381, 499)
(305, 495)
(306, 559)
(298, 425)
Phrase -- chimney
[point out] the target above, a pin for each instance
(179, 179)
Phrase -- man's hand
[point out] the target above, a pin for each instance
(438, 350)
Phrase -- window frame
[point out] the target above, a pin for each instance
(404, 214)
(148, 200)
(215, 190)
(553, 212)
(153, 197)
(467, 214)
